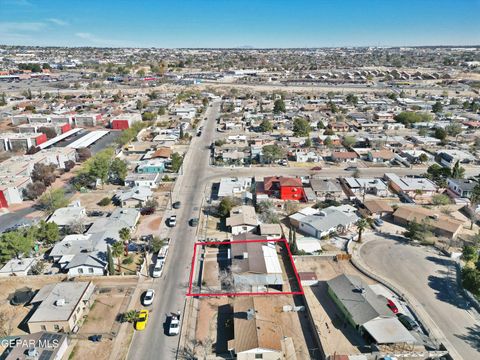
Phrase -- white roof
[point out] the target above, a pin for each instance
(15, 265)
(388, 331)
(88, 139)
(271, 259)
(309, 244)
(59, 137)
(410, 183)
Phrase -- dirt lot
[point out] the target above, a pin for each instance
(337, 336)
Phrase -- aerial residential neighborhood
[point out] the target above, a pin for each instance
(236, 202)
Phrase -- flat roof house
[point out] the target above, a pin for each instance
(326, 188)
(42, 345)
(17, 267)
(234, 186)
(255, 266)
(59, 307)
(411, 186)
(440, 224)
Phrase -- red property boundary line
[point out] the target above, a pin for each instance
(209, 243)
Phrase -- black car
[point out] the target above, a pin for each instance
(199, 133)
(194, 222)
(407, 321)
(176, 205)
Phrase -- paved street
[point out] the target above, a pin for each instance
(430, 278)
(172, 286)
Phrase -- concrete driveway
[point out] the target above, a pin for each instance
(430, 278)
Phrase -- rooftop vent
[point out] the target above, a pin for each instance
(60, 302)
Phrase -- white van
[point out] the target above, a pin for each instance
(158, 268)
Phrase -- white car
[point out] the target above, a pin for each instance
(174, 324)
(148, 297)
(158, 268)
(172, 220)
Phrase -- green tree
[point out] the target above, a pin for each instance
(272, 153)
(48, 232)
(437, 107)
(149, 116)
(349, 141)
(266, 126)
(470, 253)
(411, 117)
(352, 99)
(117, 252)
(139, 105)
(308, 142)
(423, 157)
(118, 170)
(440, 134)
(124, 234)
(471, 280)
(361, 226)
(3, 99)
(457, 171)
(227, 204)
(328, 141)
(130, 316)
(161, 110)
(279, 106)
(417, 231)
(440, 199)
(156, 244)
(176, 161)
(111, 266)
(453, 129)
(301, 127)
(15, 244)
(52, 200)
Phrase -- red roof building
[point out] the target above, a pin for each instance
(286, 188)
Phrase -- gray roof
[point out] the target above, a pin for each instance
(329, 218)
(119, 219)
(71, 292)
(325, 185)
(255, 263)
(464, 184)
(86, 260)
(141, 193)
(358, 299)
(67, 215)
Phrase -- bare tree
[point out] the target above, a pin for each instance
(76, 227)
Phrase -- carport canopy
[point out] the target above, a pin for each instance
(388, 331)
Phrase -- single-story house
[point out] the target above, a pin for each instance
(271, 231)
(344, 156)
(361, 186)
(66, 216)
(42, 345)
(462, 187)
(136, 196)
(59, 307)
(440, 224)
(326, 188)
(366, 311)
(411, 186)
(328, 221)
(242, 219)
(17, 267)
(377, 208)
(150, 180)
(255, 266)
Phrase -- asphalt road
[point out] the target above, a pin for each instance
(430, 278)
(171, 288)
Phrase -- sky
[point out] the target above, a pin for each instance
(237, 23)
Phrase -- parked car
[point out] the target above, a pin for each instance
(408, 322)
(158, 268)
(378, 222)
(391, 305)
(95, 338)
(351, 168)
(172, 220)
(148, 297)
(176, 205)
(199, 133)
(174, 324)
(193, 222)
(142, 320)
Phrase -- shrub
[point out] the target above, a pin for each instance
(105, 201)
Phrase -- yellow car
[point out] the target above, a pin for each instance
(142, 319)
